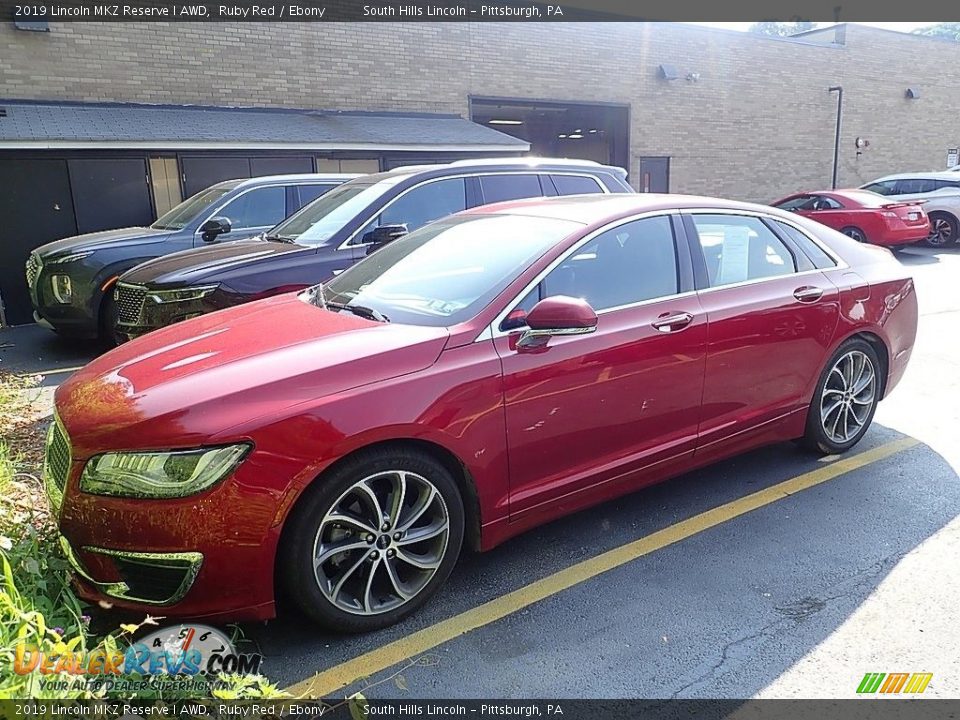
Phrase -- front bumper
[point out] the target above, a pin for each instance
(206, 556)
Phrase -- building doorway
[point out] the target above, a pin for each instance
(654, 174)
(586, 131)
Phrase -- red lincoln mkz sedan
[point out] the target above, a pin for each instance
(487, 373)
(863, 215)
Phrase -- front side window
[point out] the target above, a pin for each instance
(738, 248)
(261, 207)
(885, 187)
(628, 264)
(499, 188)
(446, 272)
(425, 203)
(183, 214)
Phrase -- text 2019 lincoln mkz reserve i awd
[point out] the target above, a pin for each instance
(484, 374)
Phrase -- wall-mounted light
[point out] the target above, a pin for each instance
(912, 93)
(693, 77)
(575, 136)
(667, 72)
(504, 122)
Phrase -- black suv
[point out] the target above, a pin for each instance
(71, 280)
(338, 229)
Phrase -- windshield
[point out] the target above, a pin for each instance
(184, 213)
(325, 216)
(445, 272)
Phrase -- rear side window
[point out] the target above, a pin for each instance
(576, 184)
(261, 207)
(498, 188)
(738, 248)
(913, 186)
(809, 248)
(953, 184)
(309, 193)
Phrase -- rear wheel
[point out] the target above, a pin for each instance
(943, 230)
(845, 400)
(371, 542)
(855, 233)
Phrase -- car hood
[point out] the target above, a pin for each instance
(186, 385)
(103, 240)
(197, 264)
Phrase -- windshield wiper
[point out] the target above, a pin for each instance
(361, 310)
(280, 238)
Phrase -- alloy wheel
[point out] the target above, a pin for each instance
(381, 542)
(848, 396)
(941, 232)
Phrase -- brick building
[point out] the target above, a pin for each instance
(684, 108)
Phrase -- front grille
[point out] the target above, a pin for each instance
(33, 269)
(130, 302)
(56, 465)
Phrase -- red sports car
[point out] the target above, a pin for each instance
(487, 373)
(865, 216)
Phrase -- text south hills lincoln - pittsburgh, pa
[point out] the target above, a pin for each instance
(461, 11)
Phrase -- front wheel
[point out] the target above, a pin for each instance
(845, 400)
(371, 542)
(109, 314)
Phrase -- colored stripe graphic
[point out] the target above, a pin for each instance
(894, 683)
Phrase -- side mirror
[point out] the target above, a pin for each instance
(214, 227)
(383, 235)
(557, 315)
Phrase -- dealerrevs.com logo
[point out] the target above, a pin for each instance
(188, 651)
(894, 683)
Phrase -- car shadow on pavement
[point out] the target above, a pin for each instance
(31, 349)
(723, 613)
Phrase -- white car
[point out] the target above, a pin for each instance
(940, 192)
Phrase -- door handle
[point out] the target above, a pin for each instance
(808, 293)
(672, 322)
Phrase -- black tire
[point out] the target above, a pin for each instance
(943, 230)
(108, 335)
(855, 233)
(296, 554)
(816, 437)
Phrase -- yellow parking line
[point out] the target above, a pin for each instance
(56, 371)
(327, 682)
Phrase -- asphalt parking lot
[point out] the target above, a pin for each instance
(775, 574)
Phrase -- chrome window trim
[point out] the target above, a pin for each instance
(493, 331)
(345, 245)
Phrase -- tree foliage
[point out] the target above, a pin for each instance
(949, 30)
(781, 29)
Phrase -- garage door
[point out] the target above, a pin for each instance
(110, 193)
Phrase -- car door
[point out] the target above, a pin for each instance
(594, 408)
(251, 213)
(771, 315)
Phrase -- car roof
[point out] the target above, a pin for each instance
(292, 178)
(937, 175)
(506, 163)
(591, 209)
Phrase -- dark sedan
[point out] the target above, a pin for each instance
(328, 236)
(71, 280)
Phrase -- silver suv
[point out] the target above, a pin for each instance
(940, 192)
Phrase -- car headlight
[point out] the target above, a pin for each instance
(159, 474)
(72, 257)
(184, 295)
(62, 288)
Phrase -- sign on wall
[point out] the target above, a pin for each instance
(953, 157)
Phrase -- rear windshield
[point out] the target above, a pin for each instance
(184, 213)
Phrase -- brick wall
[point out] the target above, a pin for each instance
(759, 122)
